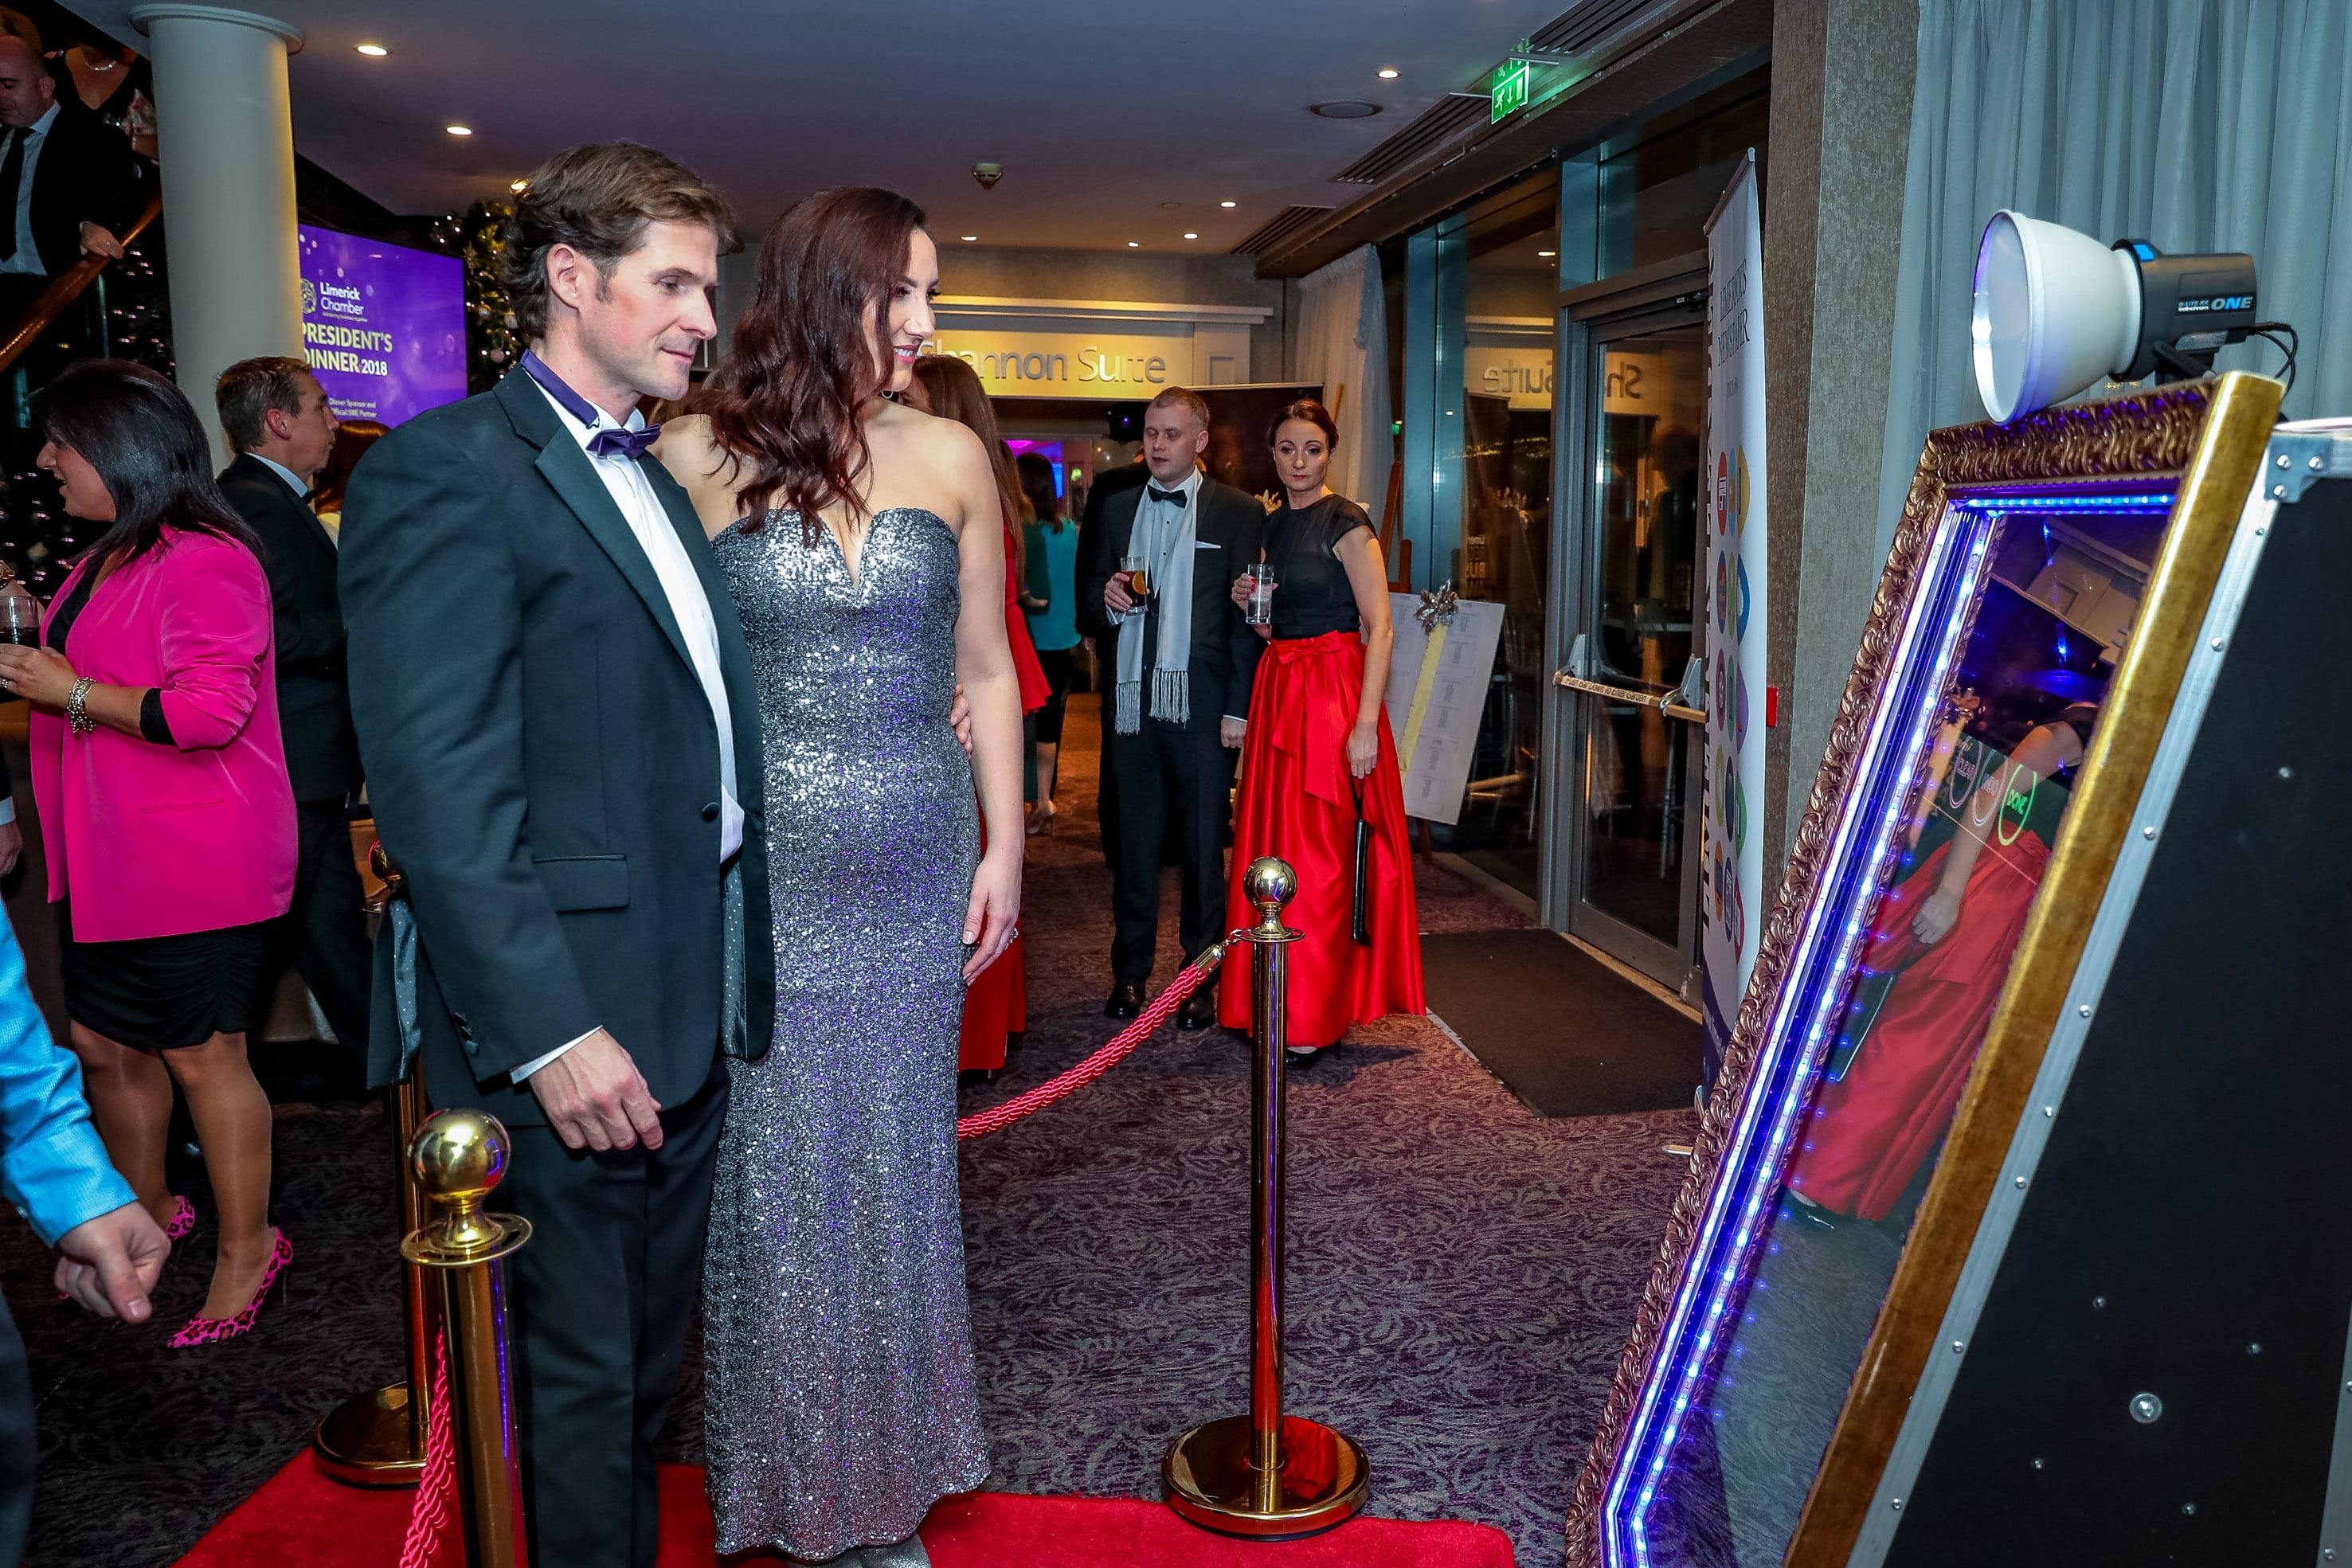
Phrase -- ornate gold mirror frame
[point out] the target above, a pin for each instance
(2202, 444)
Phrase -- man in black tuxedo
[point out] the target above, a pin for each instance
(560, 729)
(1178, 693)
(275, 415)
(69, 183)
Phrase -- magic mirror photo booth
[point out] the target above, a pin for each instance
(2009, 1236)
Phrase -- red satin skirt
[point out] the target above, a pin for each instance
(1296, 803)
(997, 1004)
(1035, 689)
(1870, 1130)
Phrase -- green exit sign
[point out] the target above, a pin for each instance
(1508, 92)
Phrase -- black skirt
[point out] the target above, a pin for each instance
(161, 993)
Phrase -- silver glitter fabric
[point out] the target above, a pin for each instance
(838, 1342)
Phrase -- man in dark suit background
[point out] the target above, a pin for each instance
(561, 728)
(69, 183)
(275, 416)
(1177, 689)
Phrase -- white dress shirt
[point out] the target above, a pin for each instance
(28, 257)
(633, 492)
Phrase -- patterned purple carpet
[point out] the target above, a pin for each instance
(1461, 1273)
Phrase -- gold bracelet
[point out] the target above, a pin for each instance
(77, 708)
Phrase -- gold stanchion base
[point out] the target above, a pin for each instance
(368, 1440)
(1208, 1479)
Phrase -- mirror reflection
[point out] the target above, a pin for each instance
(1991, 778)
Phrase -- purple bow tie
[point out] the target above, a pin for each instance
(629, 444)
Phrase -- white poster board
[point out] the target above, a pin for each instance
(1731, 833)
(1434, 747)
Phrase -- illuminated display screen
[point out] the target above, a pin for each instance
(2025, 609)
(383, 326)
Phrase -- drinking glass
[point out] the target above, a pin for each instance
(1138, 578)
(1260, 609)
(20, 614)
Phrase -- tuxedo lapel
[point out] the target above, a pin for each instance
(570, 473)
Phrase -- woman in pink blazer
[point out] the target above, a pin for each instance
(164, 808)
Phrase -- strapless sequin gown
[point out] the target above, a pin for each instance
(837, 1341)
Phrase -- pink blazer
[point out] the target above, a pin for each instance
(155, 841)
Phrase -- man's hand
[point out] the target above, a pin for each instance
(1116, 598)
(100, 241)
(108, 1264)
(1230, 732)
(959, 720)
(12, 846)
(595, 1098)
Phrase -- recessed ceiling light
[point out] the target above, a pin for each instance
(1345, 109)
(969, 239)
(1224, 204)
(375, 50)
(1135, 245)
(1547, 252)
(517, 186)
(459, 130)
(1388, 73)
(1169, 207)
(1192, 236)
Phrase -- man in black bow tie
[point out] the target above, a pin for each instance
(1182, 662)
(561, 733)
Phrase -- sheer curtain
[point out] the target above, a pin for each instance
(2198, 125)
(1343, 342)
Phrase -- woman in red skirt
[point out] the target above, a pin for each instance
(1319, 757)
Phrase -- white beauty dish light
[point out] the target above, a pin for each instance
(2057, 311)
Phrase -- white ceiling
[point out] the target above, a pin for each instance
(1100, 110)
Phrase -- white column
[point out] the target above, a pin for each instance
(226, 136)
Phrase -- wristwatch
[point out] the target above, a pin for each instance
(77, 707)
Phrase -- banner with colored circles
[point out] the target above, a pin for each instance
(1731, 847)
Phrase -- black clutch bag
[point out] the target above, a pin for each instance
(1360, 915)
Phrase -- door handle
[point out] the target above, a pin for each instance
(1663, 701)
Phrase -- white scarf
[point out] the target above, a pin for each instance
(1164, 538)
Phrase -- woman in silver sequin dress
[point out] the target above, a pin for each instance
(861, 543)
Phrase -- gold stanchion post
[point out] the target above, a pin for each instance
(460, 1156)
(376, 1438)
(1265, 1475)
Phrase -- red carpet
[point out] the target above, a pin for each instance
(301, 1519)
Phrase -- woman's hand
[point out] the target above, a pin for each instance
(1363, 749)
(1240, 592)
(39, 675)
(992, 920)
(1937, 917)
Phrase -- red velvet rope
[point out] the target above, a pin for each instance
(435, 1508)
(1122, 1045)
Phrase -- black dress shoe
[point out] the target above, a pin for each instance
(1200, 1008)
(1126, 1000)
(1300, 1061)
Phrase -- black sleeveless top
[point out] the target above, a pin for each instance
(1311, 594)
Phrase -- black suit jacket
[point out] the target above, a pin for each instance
(1229, 529)
(540, 757)
(87, 173)
(1107, 484)
(314, 711)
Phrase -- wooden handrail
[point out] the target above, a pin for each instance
(67, 288)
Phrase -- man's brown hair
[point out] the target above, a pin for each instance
(1182, 397)
(599, 199)
(249, 388)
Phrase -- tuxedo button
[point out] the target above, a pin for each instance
(711, 812)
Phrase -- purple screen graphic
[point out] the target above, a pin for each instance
(383, 326)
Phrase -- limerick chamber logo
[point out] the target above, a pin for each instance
(310, 296)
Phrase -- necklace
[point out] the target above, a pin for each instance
(93, 67)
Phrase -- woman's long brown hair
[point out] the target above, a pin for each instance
(784, 405)
(956, 393)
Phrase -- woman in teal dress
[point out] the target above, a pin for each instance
(1050, 599)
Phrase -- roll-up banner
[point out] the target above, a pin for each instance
(1731, 847)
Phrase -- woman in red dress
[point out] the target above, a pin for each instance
(996, 1006)
(1318, 757)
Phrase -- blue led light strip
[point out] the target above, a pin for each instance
(1716, 1267)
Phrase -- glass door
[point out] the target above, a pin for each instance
(1630, 710)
